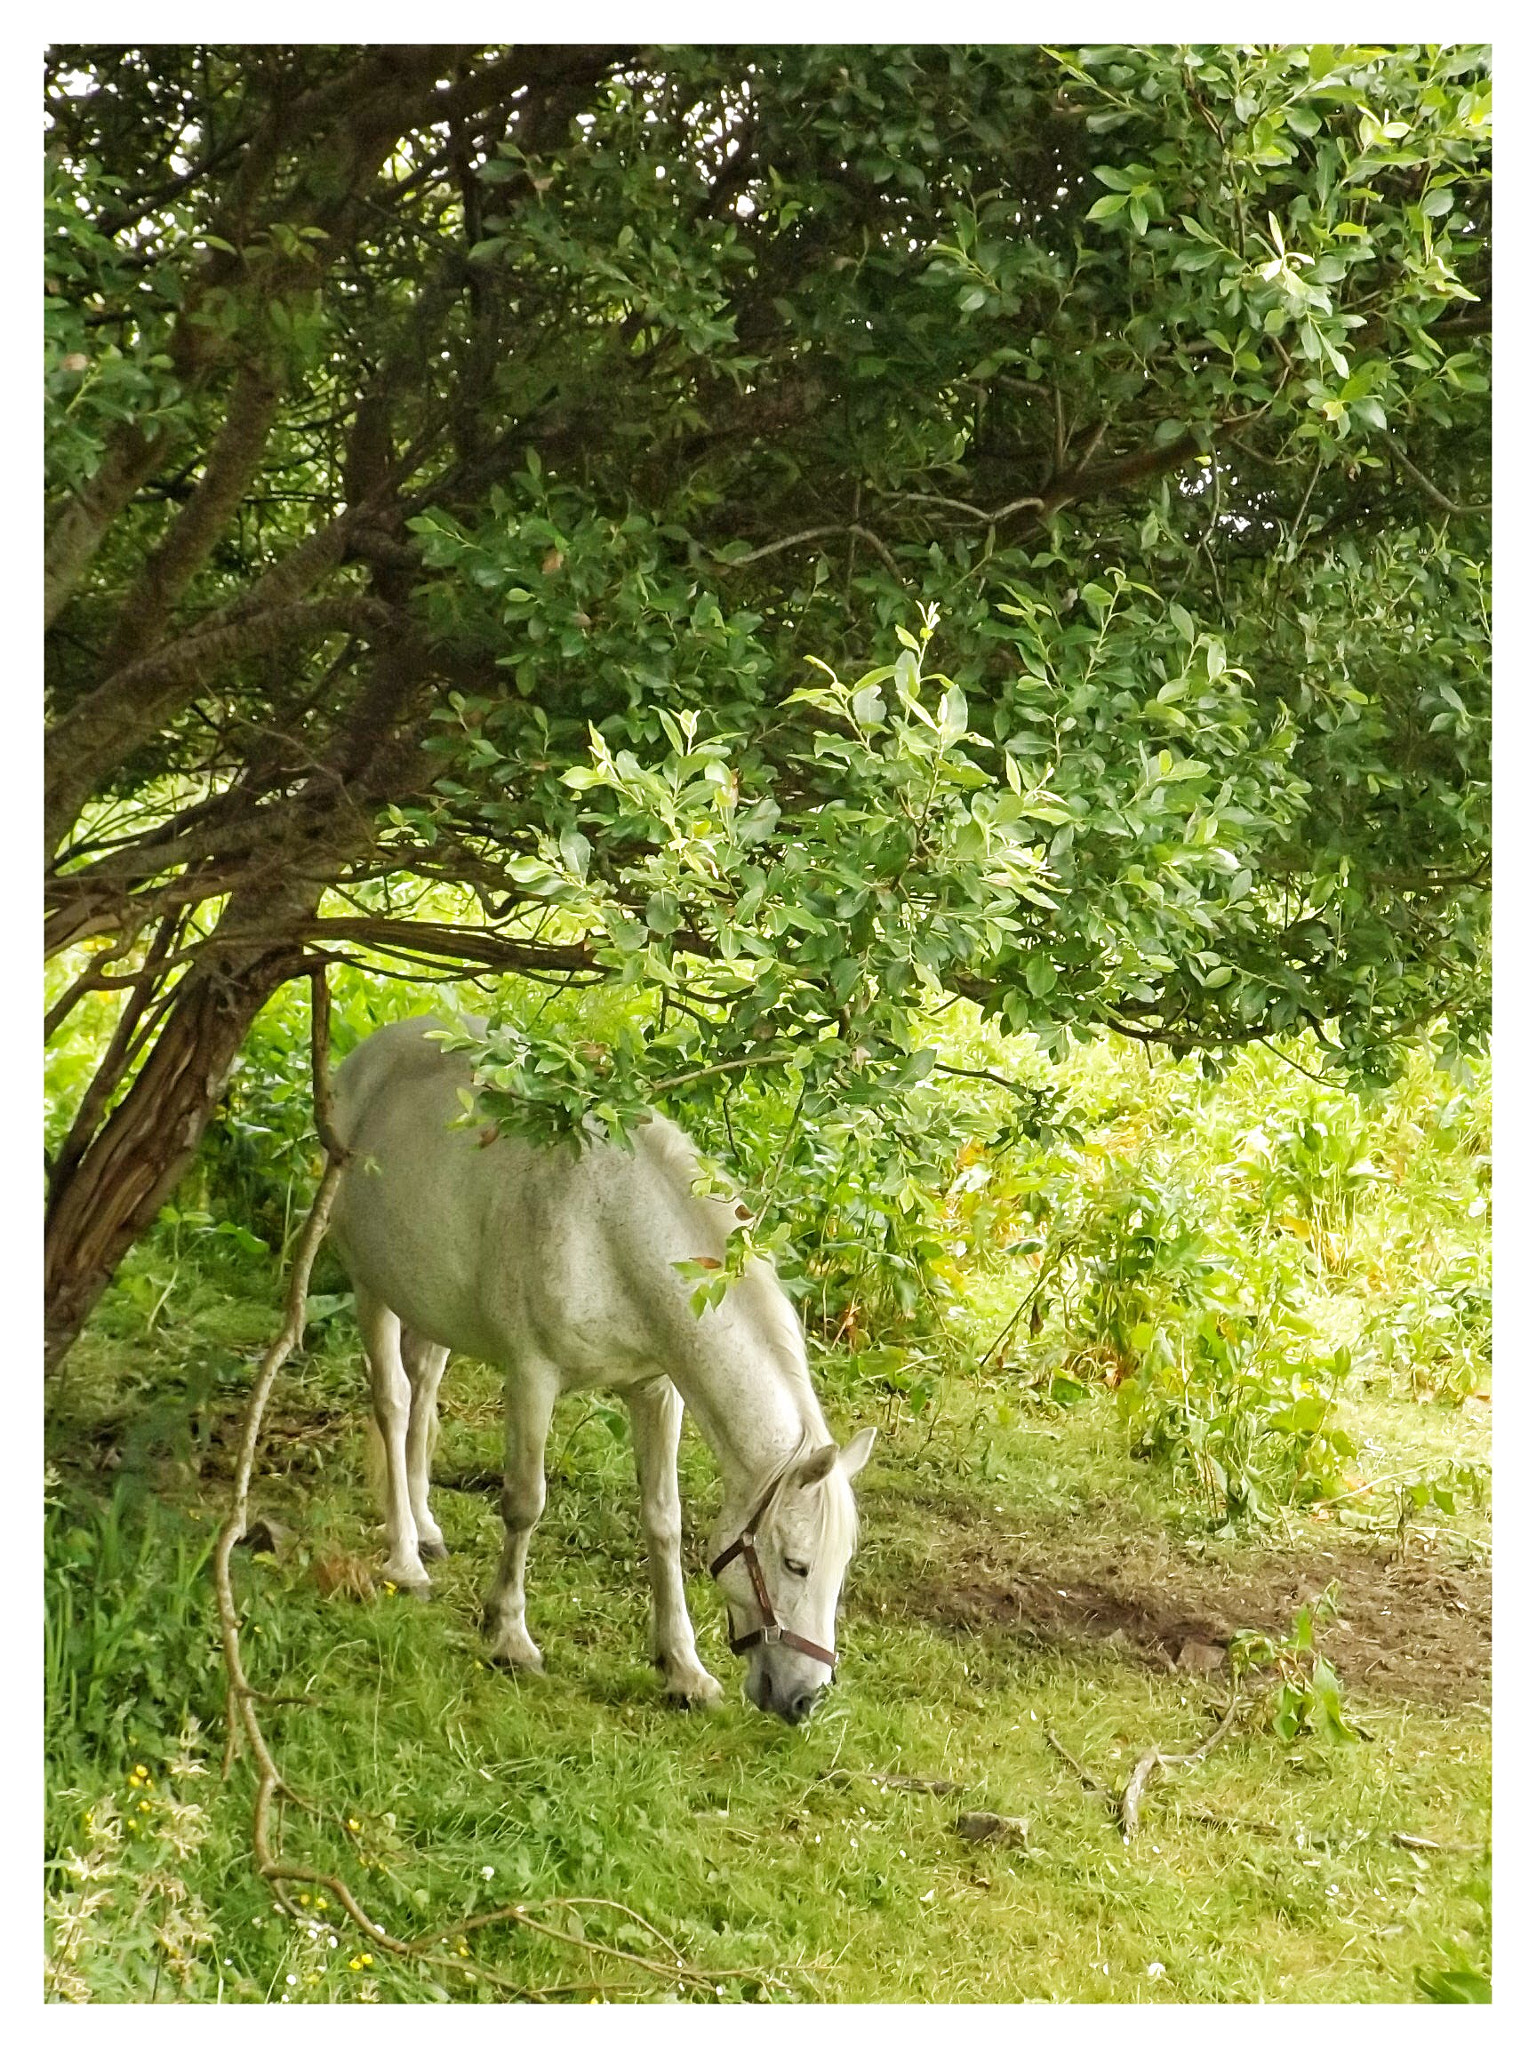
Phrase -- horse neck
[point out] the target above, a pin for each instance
(751, 1396)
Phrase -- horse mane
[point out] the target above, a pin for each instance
(761, 1294)
(671, 1148)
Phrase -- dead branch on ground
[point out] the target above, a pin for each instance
(1126, 1805)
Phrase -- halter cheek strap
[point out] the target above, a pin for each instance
(745, 1547)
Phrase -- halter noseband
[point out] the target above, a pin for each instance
(745, 1547)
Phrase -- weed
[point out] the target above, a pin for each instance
(126, 1647)
(1437, 1338)
(1307, 1699)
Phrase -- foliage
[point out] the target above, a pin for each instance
(1454, 1987)
(800, 531)
(1304, 1169)
(1439, 1336)
(1143, 1251)
(119, 1912)
(1307, 1699)
(127, 1639)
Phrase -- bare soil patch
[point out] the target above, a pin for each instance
(1411, 1628)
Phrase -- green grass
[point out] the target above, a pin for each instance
(753, 1847)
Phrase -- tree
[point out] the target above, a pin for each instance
(799, 529)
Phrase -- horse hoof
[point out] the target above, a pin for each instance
(701, 1695)
(433, 1552)
(521, 1655)
(517, 1667)
(418, 1589)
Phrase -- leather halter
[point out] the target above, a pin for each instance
(745, 1547)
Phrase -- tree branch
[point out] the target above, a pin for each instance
(473, 944)
(232, 462)
(83, 524)
(777, 547)
(1435, 496)
(100, 731)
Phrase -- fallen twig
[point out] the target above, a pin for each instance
(1126, 1805)
(1156, 1759)
(941, 1788)
(1088, 1781)
(1443, 1848)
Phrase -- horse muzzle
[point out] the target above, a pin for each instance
(791, 1697)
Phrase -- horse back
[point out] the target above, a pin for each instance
(490, 1244)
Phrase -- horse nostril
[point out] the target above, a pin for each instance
(800, 1706)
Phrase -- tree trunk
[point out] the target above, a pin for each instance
(129, 1170)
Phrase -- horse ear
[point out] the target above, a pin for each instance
(817, 1465)
(854, 1456)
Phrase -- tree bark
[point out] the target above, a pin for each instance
(110, 1188)
(116, 1187)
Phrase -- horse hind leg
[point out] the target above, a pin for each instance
(391, 1391)
(424, 1365)
(530, 1402)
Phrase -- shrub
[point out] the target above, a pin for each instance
(1438, 1337)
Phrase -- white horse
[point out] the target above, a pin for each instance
(560, 1268)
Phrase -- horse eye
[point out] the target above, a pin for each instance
(801, 1571)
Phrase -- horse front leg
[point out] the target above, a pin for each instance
(424, 1364)
(391, 1390)
(656, 1420)
(530, 1402)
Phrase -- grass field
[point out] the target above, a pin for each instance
(1017, 1574)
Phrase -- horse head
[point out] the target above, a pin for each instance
(783, 1573)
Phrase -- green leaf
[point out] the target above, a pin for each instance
(576, 851)
(868, 706)
(662, 912)
(1453, 1987)
(953, 715)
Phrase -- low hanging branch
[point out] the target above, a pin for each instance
(243, 1697)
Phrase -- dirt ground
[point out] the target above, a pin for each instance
(1418, 1628)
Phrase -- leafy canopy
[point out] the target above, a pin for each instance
(800, 531)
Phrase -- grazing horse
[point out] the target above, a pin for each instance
(560, 1268)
